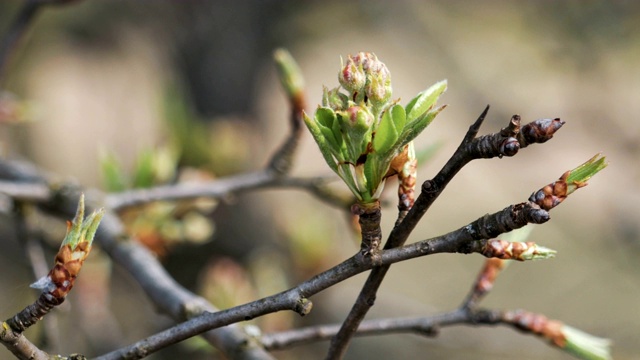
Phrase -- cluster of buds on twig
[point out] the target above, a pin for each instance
(74, 250)
(567, 338)
(360, 133)
(553, 194)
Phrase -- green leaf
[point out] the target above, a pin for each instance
(144, 174)
(113, 176)
(399, 117)
(585, 171)
(331, 140)
(187, 133)
(386, 134)
(74, 231)
(337, 133)
(425, 100)
(373, 173)
(314, 129)
(325, 116)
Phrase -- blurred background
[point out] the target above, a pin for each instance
(106, 88)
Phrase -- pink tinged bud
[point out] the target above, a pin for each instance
(365, 59)
(352, 76)
(378, 87)
(359, 118)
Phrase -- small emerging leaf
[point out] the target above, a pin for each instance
(112, 174)
(314, 129)
(325, 116)
(585, 171)
(586, 346)
(425, 100)
(144, 175)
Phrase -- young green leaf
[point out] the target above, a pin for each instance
(373, 173)
(144, 174)
(325, 116)
(113, 176)
(399, 117)
(314, 129)
(331, 140)
(425, 100)
(386, 134)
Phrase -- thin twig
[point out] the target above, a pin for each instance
(421, 325)
(296, 298)
(28, 192)
(215, 189)
(159, 285)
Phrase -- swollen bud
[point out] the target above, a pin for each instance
(541, 130)
(378, 89)
(352, 76)
(359, 118)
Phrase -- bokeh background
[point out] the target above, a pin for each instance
(122, 77)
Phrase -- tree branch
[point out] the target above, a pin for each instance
(427, 326)
(499, 144)
(296, 298)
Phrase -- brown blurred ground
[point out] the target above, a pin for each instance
(101, 68)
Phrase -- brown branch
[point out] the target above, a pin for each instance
(166, 294)
(495, 145)
(293, 85)
(217, 189)
(20, 346)
(282, 160)
(296, 298)
(180, 303)
(422, 325)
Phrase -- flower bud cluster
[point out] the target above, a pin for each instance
(360, 130)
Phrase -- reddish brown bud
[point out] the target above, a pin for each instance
(488, 275)
(553, 194)
(539, 325)
(541, 130)
(509, 147)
